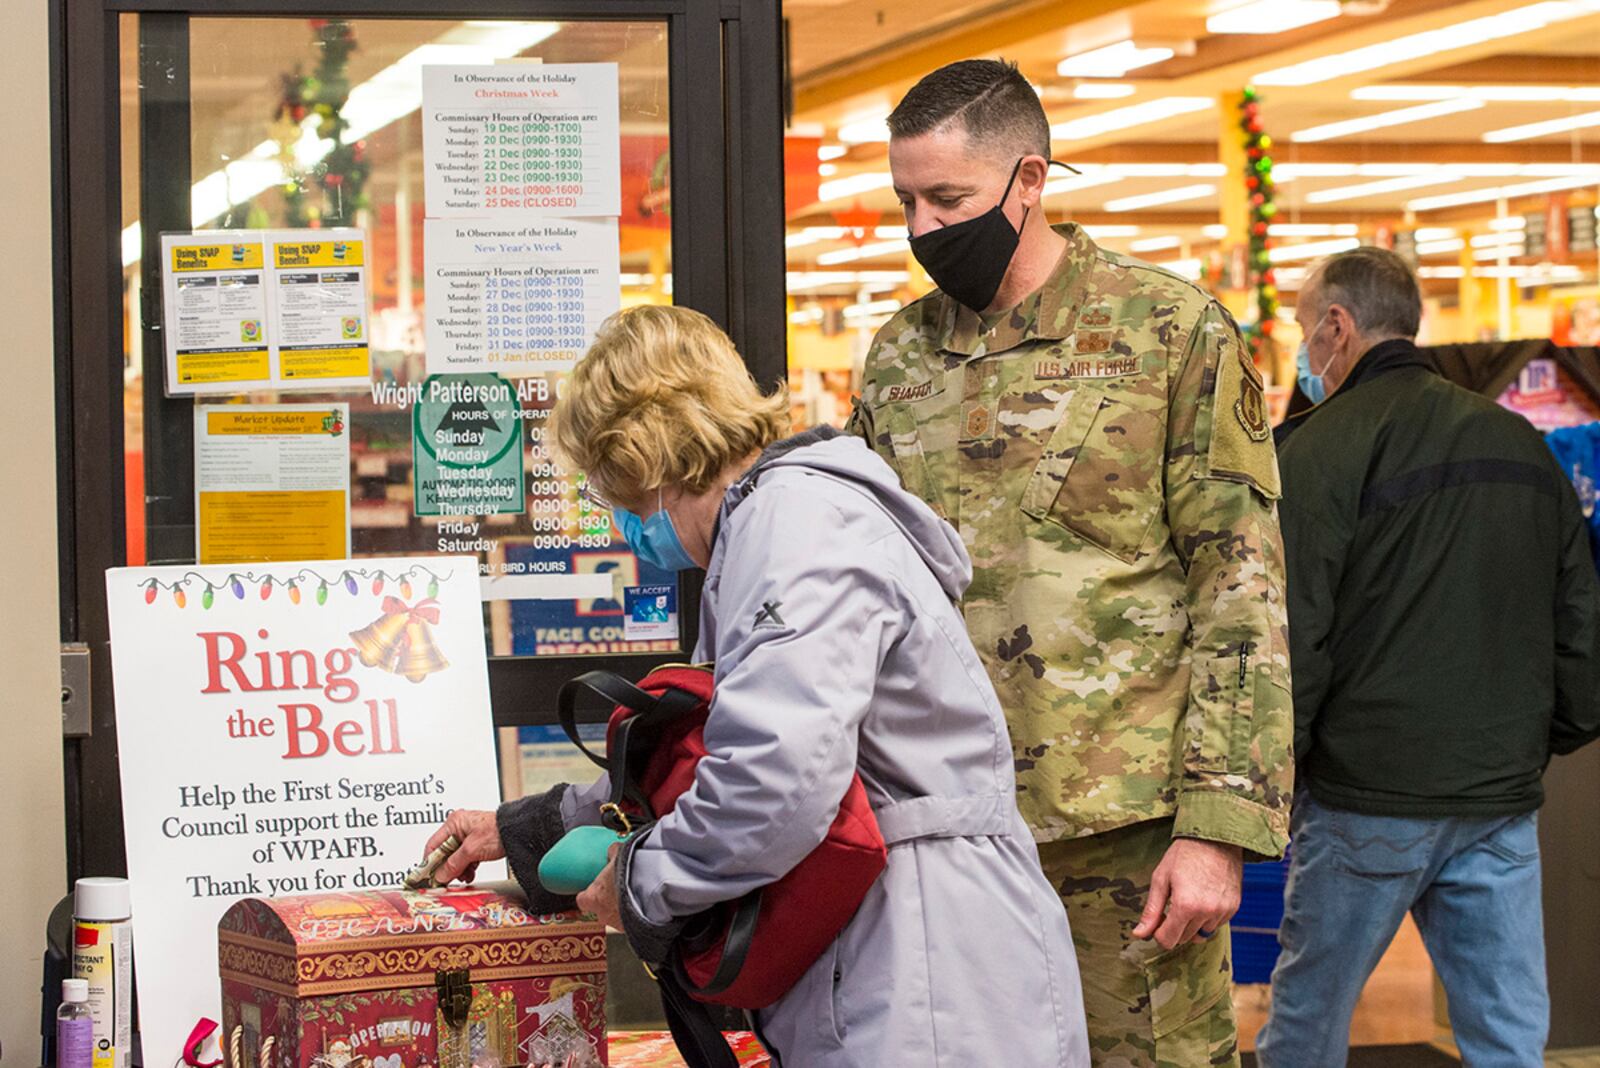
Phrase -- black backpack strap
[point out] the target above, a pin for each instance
(613, 688)
(649, 711)
(696, 1035)
(735, 947)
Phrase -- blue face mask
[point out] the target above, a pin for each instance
(1310, 384)
(654, 539)
(1314, 386)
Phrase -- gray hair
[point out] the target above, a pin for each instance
(1375, 286)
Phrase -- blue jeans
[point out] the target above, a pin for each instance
(1473, 887)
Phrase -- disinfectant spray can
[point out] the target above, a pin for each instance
(102, 955)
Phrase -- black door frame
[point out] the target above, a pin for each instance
(727, 255)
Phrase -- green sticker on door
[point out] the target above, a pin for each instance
(466, 433)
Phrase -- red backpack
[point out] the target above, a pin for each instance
(746, 953)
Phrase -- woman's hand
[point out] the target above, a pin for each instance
(480, 841)
(601, 896)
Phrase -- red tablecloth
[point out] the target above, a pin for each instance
(654, 1049)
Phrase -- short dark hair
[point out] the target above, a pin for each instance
(1377, 288)
(990, 98)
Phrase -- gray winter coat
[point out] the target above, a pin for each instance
(830, 613)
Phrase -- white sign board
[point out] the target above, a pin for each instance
(536, 139)
(517, 298)
(285, 729)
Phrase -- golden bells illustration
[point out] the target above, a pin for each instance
(379, 641)
(401, 640)
(418, 657)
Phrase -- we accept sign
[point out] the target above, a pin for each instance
(283, 729)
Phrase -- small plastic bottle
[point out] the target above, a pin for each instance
(74, 1026)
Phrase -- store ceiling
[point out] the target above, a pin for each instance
(851, 61)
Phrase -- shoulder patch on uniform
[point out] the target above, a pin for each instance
(1240, 449)
(1251, 407)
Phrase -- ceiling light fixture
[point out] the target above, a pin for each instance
(1087, 180)
(1166, 196)
(1113, 61)
(1312, 230)
(866, 131)
(1493, 94)
(1378, 188)
(1103, 90)
(1311, 250)
(1496, 28)
(867, 311)
(1187, 268)
(1272, 16)
(1482, 196)
(1156, 244)
(795, 281)
(1398, 117)
(865, 252)
(1510, 251)
(1531, 130)
(854, 185)
(1118, 119)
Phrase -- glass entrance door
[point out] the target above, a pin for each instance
(402, 231)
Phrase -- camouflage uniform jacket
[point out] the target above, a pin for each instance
(1105, 454)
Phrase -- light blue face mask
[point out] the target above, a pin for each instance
(1311, 385)
(654, 539)
(1314, 386)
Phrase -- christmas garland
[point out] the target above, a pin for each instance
(1258, 180)
(341, 177)
(237, 582)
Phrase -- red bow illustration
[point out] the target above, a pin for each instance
(427, 610)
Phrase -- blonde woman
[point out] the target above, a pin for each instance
(830, 612)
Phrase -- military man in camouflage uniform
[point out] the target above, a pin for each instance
(1095, 429)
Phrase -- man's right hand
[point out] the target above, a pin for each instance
(480, 841)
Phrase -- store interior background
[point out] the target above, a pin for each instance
(1467, 134)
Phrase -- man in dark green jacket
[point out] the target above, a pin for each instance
(1444, 622)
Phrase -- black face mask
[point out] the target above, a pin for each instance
(969, 259)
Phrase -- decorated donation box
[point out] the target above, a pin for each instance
(455, 978)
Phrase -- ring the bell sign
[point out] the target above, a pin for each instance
(286, 729)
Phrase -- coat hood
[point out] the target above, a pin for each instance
(847, 458)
